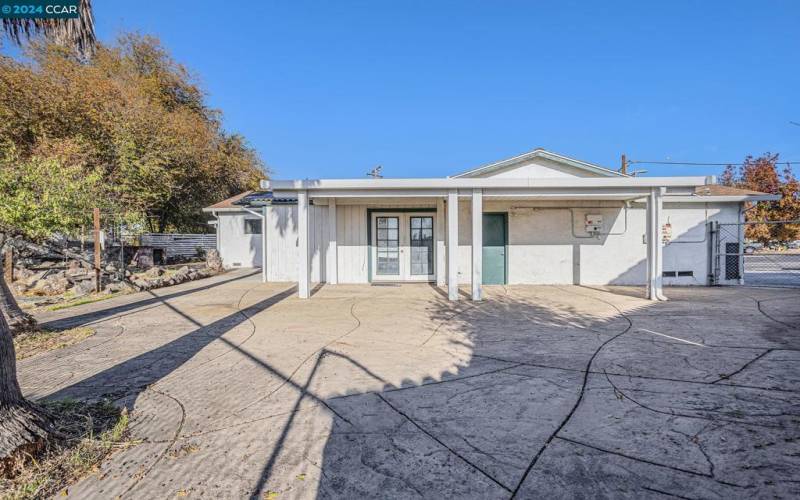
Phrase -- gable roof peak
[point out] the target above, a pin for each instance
(540, 153)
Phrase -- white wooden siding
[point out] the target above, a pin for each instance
(351, 231)
(282, 242)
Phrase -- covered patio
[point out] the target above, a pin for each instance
(443, 198)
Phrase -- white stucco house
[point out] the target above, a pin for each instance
(536, 218)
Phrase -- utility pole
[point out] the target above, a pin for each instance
(96, 214)
(624, 165)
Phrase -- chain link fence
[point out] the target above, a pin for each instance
(737, 258)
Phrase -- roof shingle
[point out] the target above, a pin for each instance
(720, 190)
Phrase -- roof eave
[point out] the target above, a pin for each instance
(722, 198)
(479, 182)
(540, 153)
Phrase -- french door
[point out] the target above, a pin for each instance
(403, 246)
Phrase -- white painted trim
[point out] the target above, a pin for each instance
(264, 219)
(477, 243)
(718, 199)
(655, 247)
(304, 262)
(332, 263)
(452, 245)
(317, 185)
(439, 231)
(214, 210)
(540, 153)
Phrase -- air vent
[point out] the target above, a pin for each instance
(669, 274)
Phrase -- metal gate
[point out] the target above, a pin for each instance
(738, 260)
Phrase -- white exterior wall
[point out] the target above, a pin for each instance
(548, 244)
(351, 241)
(282, 242)
(542, 247)
(351, 235)
(236, 248)
(538, 168)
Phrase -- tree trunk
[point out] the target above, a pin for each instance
(18, 320)
(23, 426)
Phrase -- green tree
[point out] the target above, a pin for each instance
(137, 117)
(84, 123)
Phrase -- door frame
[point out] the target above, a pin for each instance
(505, 243)
(370, 211)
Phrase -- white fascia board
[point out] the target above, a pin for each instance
(565, 195)
(485, 183)
(724, 199)
(540, 153)
(213, 210)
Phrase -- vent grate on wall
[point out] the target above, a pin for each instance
(677, 274)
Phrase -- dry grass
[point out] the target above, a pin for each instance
(89, 299)
(28, 344)
(84, 435)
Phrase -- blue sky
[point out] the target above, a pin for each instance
(330, 89)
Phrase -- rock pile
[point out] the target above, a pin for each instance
(157, 277)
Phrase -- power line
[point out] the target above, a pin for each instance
(693, 163)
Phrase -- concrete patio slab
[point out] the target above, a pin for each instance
(240, 389)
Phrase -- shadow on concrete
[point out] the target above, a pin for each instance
(132, 376)
(90, 317)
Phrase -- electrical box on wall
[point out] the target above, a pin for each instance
(594, 223)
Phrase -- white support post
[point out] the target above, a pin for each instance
(332, 263)
(655, 248)
(477, 243)
(264, 218)
(441, 262)
(302, 239)
(452, 244)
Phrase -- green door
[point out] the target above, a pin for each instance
(494, 249)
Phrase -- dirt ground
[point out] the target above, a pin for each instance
(240, 389)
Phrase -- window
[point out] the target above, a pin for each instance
(421, 245)
(252, 226)
(388, 239)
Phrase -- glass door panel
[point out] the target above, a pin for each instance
(421, 243)
(387, 246)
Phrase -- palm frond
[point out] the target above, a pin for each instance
(75, 33)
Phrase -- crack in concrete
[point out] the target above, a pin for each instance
(651, 462)
(744, 367)
(617, 390)
(166, 448)
(288, 379)
(666, 493)
(447, 320)
(454, 452)
(580, 395)
(761, 310)
(647, 377)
